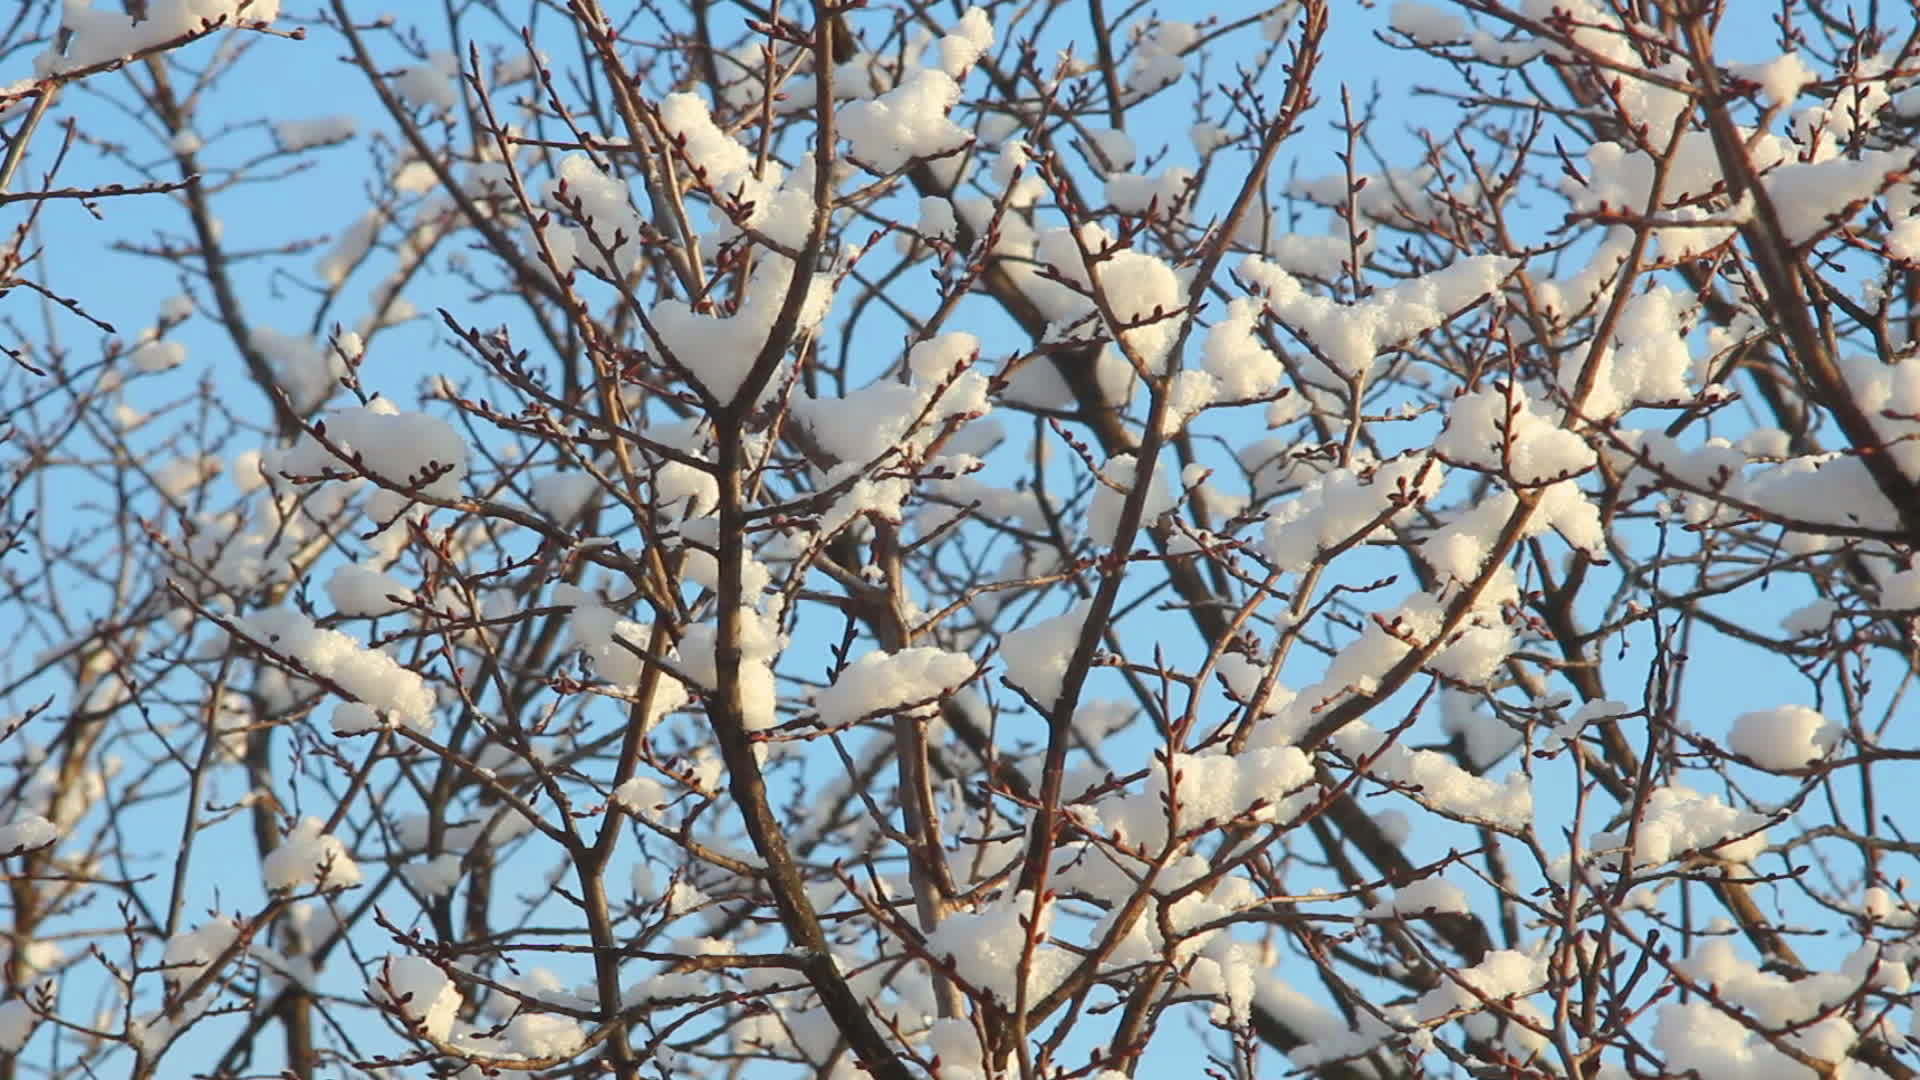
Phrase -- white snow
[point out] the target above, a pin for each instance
(351, 248)
(308, 372)
(178, 476)
(760, 642)
(1434, 894)
(987, 945)
(1699, 1035)
(400, 448)
(1242, 674)
(1144, 294)
(965, 42)
(159, 356)
(1157, 61)
(360, 590)
(1459, 548)
(1348, 505)
(373, 677)
(1116, 147)
(1513, 434)
(17, 1021)
(1208, 137)
(1504, 973)
(309, 857)
(1037, 656)
(1136, 193)
(905, 123)
(1787, 737)
(598, 631)
(315, 131)
(719, 349)
(1780, 79)
(563, 495)
(435, 876)
(1442, 785)
(937, 219)
(434, 84)
(1811, 197)
(420, 991)
(545, 1035)
(1650, 362)
(1213, 787)
(883, 682)
(189, 953)
(1812, 618)
(642, 796)
(104, 33)
(956, 1044)
(1426, 24)
(1110, 497)
(27, 833)
(1678, 820)
(1349, 336)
